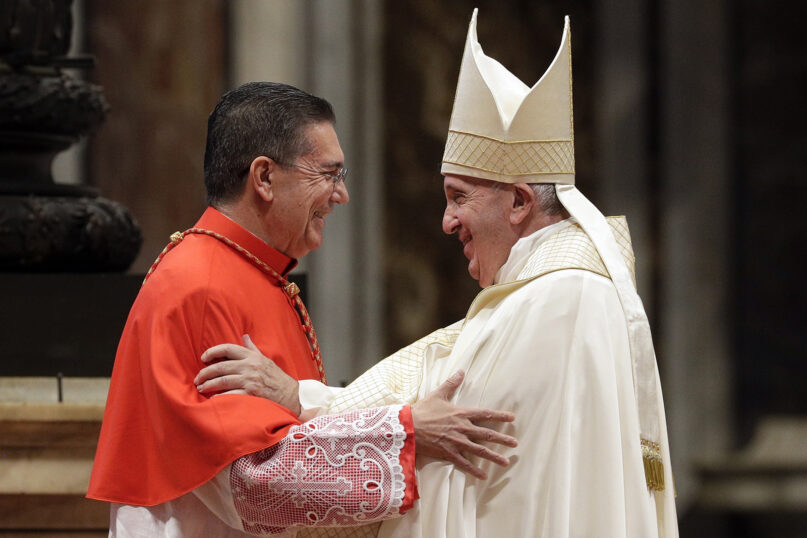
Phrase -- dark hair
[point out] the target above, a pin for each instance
(258, 118)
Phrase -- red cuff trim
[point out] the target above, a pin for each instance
(407, 460)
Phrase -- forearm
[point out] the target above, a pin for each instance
(335, 470)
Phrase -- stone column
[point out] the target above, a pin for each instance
(694, 348)
(625, 175)
(331, 49)
(346, 295)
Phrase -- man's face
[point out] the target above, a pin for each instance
(304, 196)
(478, 210)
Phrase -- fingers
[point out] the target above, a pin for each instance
(249, 344)
(481, 415)
(221, 384)
(463, 464)
(456, 454)
(225, 351)
(217, 369)
(486, 453)
(450, 385)
(234, 391)
(492, 436)
(482, 433)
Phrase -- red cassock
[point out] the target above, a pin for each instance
(160, 437)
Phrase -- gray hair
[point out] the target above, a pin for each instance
(547, 198)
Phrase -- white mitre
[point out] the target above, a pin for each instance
(503, 130)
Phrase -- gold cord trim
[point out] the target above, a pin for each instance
(289, 288)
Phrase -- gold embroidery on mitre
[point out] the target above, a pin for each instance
(511, 158)
(571, 248)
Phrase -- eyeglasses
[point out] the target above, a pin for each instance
(335, 178)
(340, 175)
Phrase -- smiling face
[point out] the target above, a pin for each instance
(478, 211)
(303, 196)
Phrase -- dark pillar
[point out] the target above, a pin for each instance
(45, 226)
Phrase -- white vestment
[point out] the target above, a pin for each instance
(548, 342)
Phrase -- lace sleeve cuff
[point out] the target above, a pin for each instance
(407, 459)
(335, 470)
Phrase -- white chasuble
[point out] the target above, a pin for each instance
(551, 345)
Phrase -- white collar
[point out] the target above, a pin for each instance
(524, 247)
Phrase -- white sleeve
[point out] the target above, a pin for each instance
(397, 378)
(315, 397)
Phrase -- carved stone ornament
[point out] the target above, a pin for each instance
(46, 226)
(60, 233)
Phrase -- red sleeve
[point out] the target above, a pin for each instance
(408, 460)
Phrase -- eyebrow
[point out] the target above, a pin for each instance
(332, 164)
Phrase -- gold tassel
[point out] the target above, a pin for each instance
(653, 465)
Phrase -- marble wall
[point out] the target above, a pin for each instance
(162, 66)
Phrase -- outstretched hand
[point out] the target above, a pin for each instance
(245, 370)
(448, 432)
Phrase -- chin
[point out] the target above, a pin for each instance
(313, 245)
(473, 270)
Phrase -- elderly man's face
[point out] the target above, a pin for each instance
(478, 210)
(305, 197)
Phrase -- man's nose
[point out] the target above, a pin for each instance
(340, 194)
(450, 222)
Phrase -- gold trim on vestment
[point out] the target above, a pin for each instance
(571, 248)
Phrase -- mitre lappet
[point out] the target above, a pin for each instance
(503, 130)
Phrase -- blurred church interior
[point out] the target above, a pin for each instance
(689, 119)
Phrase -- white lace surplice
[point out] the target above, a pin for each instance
(332, 470)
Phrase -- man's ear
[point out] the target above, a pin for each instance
(260, 177)
(523, 203)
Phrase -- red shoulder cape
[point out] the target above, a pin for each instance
(160, 438)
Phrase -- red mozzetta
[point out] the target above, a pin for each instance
(160, 438)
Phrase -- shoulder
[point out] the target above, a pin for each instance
(193, 271)
(564, 281)
(573, 306)
(574, 288)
